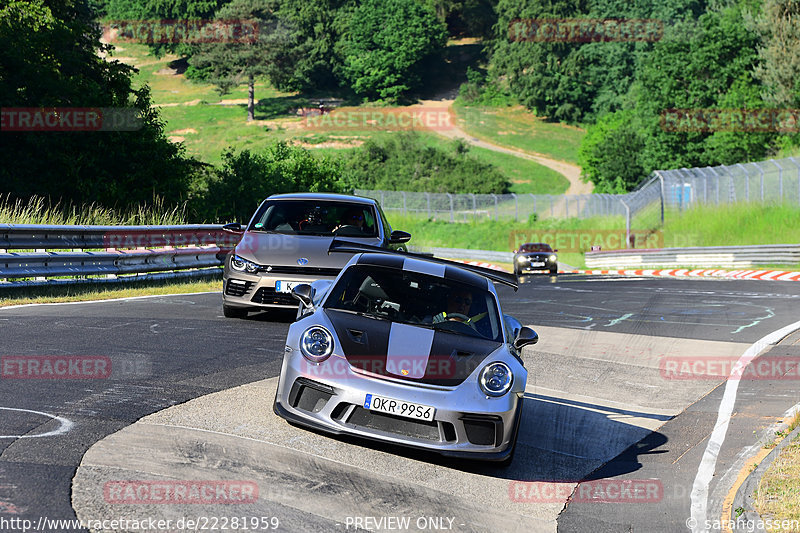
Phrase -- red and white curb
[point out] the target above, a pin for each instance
(771, 275)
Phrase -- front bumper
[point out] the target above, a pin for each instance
(253, 291)
(535, 264)
(331, 398)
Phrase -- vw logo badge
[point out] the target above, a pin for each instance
(302, 261)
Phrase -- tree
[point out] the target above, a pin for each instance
(779, 50)
(385, 45)
(231, 63)
(48, 57)
(609, 153)
(244, 179)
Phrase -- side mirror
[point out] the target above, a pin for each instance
(304, 293)
(233, 227)
(398, 237)
(525, 337)
(554, 251)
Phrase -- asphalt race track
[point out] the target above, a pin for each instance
(602, 403)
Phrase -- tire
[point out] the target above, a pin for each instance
(554, 269)
(233, 312)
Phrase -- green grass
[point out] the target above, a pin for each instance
(778, 494)
(88, 291)
(515, 127)
(38, 210)
(733, 225)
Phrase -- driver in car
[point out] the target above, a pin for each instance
(459, 303)
(353, 217)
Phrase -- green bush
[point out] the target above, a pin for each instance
(244, 179)
(403, 162)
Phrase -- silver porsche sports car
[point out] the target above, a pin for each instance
(409, 350)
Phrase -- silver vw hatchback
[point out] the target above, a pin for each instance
(286, 243)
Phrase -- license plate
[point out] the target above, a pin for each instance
(399, 407)
(539, 264)
(286, 286)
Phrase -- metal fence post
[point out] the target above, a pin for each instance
(551, 205)
(405, 212)
(516, 208)
(746, 182)
(452, 210)
(627, 223)
(663, 194)
(761, 171)
(474, 207)
(496, 214)
(795, 163)
(780, 177)
(428, 198)
(382, 200)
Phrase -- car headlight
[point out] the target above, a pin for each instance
(316, 344)
(243, 265)
(552, 258)
(521, 259)
(496, 379)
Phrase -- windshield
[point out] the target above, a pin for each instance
(535, 248)
(417, 299)
(314, 217)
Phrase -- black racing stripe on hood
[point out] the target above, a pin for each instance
(452, 357)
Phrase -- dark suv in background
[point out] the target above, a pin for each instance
(534, 256)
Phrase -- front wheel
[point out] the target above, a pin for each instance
(233, 312)
(554, 269)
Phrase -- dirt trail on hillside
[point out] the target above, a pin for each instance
(568, 170)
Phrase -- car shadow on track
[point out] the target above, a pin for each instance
(562, 442)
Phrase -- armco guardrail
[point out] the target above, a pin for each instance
(109, 250)
(711, 256)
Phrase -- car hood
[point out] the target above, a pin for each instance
(406, 352)
(278, 249)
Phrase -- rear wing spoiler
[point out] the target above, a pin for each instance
(505, 278)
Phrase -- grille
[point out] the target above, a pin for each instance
(419, 429)
(267, 295)
(309, 395)
(237, 287)
(307, 271)
(483, 430)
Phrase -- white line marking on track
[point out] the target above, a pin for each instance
(699, 495)
(111, 299)
(65, 426)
